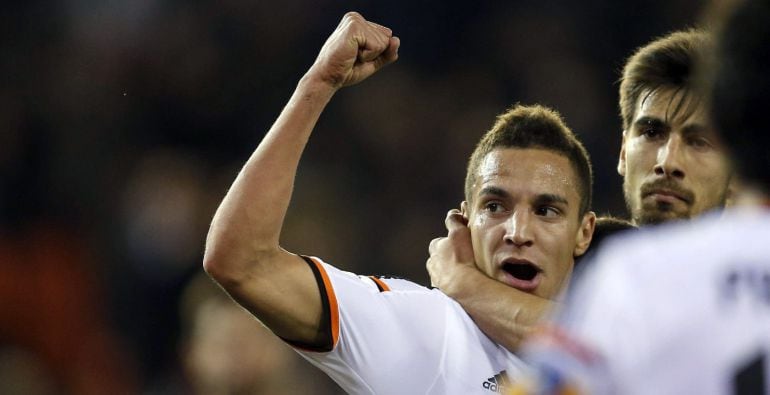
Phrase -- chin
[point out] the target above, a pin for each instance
(659, 217)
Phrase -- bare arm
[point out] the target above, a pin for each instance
(505, 314)
(242, 247)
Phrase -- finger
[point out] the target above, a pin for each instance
(389, 56)
(391, 53)
(455, 220)
(352, 16)
(370, 39)
(371, 46)
(378, 41)
(429, 266)
(383, 29)
(434, 245)
(381, 60)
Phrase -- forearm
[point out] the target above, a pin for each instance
(248, 222)
(505, 314)
(242, 248)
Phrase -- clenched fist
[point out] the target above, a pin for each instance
(353, 52)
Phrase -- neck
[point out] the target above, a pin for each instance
(751, 196)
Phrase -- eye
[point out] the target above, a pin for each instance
(652, 133)
(547, 211)
(493, 207)
(699, 142)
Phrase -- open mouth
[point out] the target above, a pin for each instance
(521, 271)
(522, 275)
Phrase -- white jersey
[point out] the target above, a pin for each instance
(392, 336)
(675, 309)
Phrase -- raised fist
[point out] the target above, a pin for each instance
(354, 51)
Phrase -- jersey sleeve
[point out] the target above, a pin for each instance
(380, 329)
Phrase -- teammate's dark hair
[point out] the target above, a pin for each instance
(605, 226)
(668, 62)
(534, 127)
(741, 89)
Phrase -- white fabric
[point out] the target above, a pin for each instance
(408, 340)
(675, 309)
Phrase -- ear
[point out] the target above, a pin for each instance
(622, 158)
(464, 210)
(585, 233)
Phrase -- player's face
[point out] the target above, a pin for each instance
(524, 219)
(673, 164)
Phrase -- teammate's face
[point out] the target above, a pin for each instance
(673, 164)
(524, 219)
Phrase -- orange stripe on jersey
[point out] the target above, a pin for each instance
(334, 313)
(380, 284)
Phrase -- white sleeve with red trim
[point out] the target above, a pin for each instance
(393, 336)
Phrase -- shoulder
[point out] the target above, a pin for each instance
(692, 262)
(378, 283)
(699, 244)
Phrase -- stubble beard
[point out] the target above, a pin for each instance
(652, 213)
(656, 213)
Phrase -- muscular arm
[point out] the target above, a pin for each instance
(242, 247)
(505, 314)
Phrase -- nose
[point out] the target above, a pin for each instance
(518, 230)
(670, 159)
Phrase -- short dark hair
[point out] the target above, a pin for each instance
(605, 226)
(534, 126)
(668, 62)
(741, 86)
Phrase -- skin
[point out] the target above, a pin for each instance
(242, 247)
(674, 165)
(505, 314)
(525, 207)
(491, 228)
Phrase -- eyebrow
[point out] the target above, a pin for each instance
(499, 192)
(651, 121)
(695, 128)
(543, 198)
(550, 198)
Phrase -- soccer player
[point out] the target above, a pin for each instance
(672, 164)
(528, 193)
(684, 308)
(673, 168)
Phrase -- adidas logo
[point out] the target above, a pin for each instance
(497, 383)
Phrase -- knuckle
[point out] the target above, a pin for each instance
(434, 244)
(352, 15)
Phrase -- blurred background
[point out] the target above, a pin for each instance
(122, 123)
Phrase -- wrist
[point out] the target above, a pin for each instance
(312, 84)
(461, 279)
